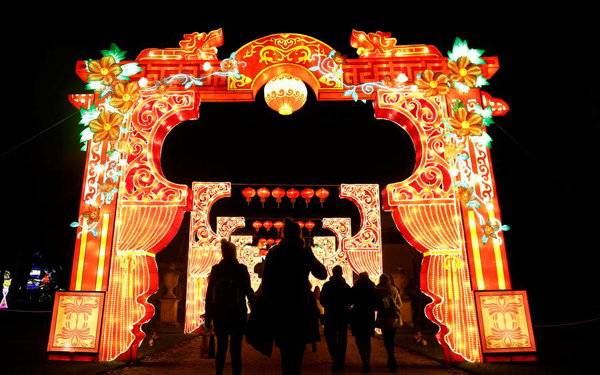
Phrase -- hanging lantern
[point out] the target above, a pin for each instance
(263, 193)
(300, 224)
(248, 193)
(277, 241)
(292, 194)
(270, 241)
(322, 194)
(257, 225)
(285, 94)
(309, 225)
(278, 194)
(268, 225)
(278, 225)
(262, 243)
(307, 194)
(263, 253)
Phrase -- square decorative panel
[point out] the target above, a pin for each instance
(76, 322)
(504, 321)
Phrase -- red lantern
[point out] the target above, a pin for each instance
(277, 241)
(263, 193)
(263, 253)
(322, 194)
(270, 242)
(300, 224)
(248, 193)
(307, 194)
(257, 225)
(268, 225)
(293, 194)
(262, 243)
(278, 194)
(278, 225)
(309, 225)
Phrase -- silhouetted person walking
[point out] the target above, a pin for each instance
(388, 317)
(228, 287)
(286, 289)
(336, 299)
(365, 302)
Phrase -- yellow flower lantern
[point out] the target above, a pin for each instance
(285, 94)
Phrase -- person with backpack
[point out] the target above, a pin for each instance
(286, 290)
(228, 288)
(388, 316)
(365, 302)
(336, 300)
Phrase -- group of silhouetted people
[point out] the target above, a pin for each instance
(289, 312)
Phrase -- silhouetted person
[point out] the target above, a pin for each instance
(336, 299)
(286, 289)
(388, 317)
(228, 287)
(365, 302)
(314, 324)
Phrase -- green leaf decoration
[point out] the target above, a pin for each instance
(84, 148)
(484, 140)
(461, 48)
(88, 115)
(74, 224)
(461, 87)
(481, 81)
(129, 70)
(86, 135)
(115, 52)
(457, 105)
(95, 86)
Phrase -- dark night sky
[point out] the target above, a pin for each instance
(545, 191)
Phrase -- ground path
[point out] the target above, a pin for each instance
(184, 359)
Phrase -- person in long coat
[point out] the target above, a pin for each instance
(388, 317)
(336, 300)
(285, 287)
(228, 287)
(365, 302)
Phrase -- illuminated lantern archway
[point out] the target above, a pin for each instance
(448, 209)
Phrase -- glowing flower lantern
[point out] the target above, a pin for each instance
(307, 194)
(322, 193)
(268, 225)
(257, 225)
(278, 225)
(293, 194)
(309, 225)
(278, 194)
(285, 94)
(263, 193)
(248, 193)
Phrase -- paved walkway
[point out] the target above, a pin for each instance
(184, 358)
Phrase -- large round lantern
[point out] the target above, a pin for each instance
(278, 194)
(270, 241)
(268, 225)
(309, 225)
(307, 194)
(322, 193)
(248, 193)
(263, 193)
(257, 225)
(278, 225)
(285, 94)
(293, 194)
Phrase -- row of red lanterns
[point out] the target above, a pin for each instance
(264, 193)
(279, 224)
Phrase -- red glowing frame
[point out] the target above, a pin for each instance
(147, 210)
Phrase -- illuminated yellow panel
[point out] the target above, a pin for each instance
(76, 322)
(102, 254)
(476, 254)
(498, 257)
(84, 230)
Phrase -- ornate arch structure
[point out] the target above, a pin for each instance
(129, 211)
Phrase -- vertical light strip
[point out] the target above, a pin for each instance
(102, 254)
(476, 254)
(498, 257)
(80, 263)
